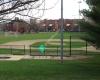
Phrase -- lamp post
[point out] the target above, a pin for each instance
(61, 31)
(79, 2)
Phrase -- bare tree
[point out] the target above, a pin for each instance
(11, 8)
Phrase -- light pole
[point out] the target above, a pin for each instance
(61, 30)
(79, 2)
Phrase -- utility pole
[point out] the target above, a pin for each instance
(61, 30)
(79, 2)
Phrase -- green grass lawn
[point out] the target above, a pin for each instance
(88, 69)
(41, 35)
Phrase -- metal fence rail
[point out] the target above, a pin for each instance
(12, 49)
(49, 51)
(72, 46)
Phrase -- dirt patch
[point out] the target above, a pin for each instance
(73, 57)
(20, 57)
(10, 57)
(20, 44)
(90, 48)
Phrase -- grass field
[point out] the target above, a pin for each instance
(34, 36)
(87, 69)
(74, 44)
(48, 36)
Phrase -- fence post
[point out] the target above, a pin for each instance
(44, 52)
(57, 50)
(30, 50)
(24, 49)
(70, 53)
(86, 47)
(11, 49)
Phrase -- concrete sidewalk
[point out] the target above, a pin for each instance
(20, 57)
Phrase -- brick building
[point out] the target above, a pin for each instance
(45, 25)
(54, 25)
(17, 25)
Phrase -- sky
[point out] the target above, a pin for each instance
(71, 9)
(53, 10)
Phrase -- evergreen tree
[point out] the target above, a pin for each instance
(91, 22)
